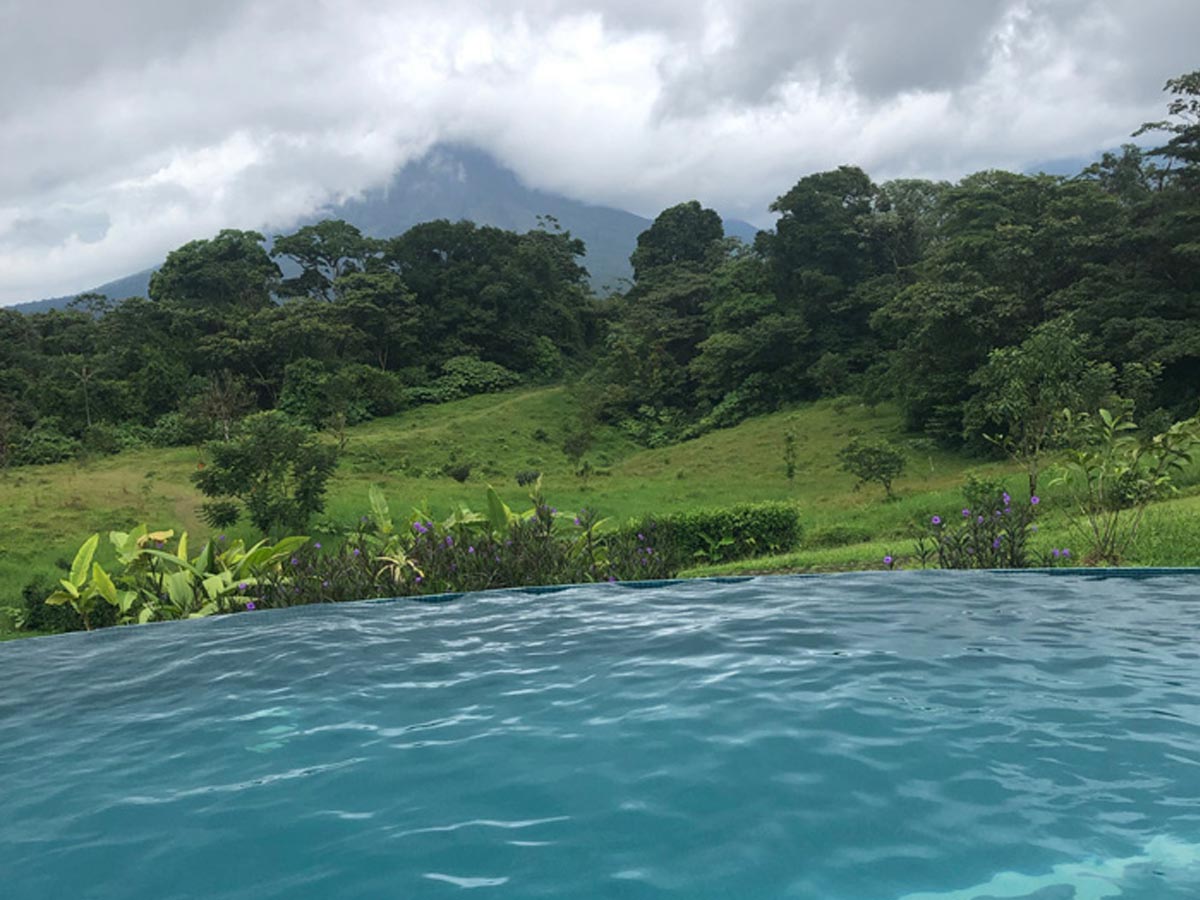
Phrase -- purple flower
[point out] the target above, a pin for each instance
(979, 519)
(419, 528)
(1066, 553)
(325, 584)
(554, 510)
(357, 552)
(317, 545)
(887, 560)
(966, 513)
(418, 579)
(1033, 528)
(1034, 500)
(612, 577)
(250, 604)
(295, 562)
(1007, 499)
(1056, 552)
(996, 544)
(641, 537)
(936, 520)
(158, 544)
(470, 549)
(449, 541)
(242, 586)
(577, 522)
(220, 538)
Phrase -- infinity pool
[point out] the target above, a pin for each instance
(926, 736)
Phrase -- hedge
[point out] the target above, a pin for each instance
(714, 535)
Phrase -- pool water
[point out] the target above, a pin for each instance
(926, 736)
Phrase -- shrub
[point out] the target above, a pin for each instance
(983, 537)
(44, 444)
(41, 616)
(872, 461)
(459, 471)
(734, 532)
(276, 469)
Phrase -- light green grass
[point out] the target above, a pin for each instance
(47, 511)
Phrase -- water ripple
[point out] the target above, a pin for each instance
(862, 737)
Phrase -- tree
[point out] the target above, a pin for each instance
(222, 402)
(325, 252)
(232, 270)
(682, 234)
(277, 470)
(872, 461)
(1024, 391)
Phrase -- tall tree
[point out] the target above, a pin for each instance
(229, 271)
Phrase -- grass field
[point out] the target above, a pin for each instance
(45, 512)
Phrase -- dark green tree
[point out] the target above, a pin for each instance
(229, 271)
(327, 251)
(277, 470)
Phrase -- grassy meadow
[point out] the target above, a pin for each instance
(49, 510)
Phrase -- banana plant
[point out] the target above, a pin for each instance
(75, 589)
(155, 583)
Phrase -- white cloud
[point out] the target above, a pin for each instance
(142, 124)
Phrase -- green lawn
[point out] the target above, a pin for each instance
(45, 512)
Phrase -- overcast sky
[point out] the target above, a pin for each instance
(131, 126)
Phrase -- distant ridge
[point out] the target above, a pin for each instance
(455, 182)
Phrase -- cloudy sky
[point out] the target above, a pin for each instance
(131, 126)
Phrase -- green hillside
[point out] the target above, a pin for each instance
(50, 509)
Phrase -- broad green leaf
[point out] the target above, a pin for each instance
(204, 562)
(179, 590)
(181, 550)
(380, 511)
(59, 598)
(69, 587)
(216, 585)
(499, 515)
(103, 584)
(181, 565)
(83, 560)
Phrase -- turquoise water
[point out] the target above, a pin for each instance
(862, 737)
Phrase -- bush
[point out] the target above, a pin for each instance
(872, 461)
(44, 444)
(466, 553)
(989, 536)
(41, 616)
(276, 469)
(713, 535)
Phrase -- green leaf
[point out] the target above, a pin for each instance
(179, 590)
(499, 515)
(380, 511)
(69, 587)
(181, 565)
(83, 560)
(103, 584)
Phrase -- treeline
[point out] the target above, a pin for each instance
(945, 298)
(364, 329)
(931, 294)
